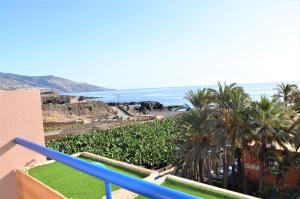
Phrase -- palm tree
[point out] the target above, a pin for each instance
(296, 100)
(272, 120)
(218, 123)
(200, 98)
(286, 92)
(284, 161)
(232, 124)
(295, 132)
(194, 158)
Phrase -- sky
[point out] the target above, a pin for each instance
(124, 44)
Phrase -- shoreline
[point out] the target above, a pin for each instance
(64, 115)
(171, 95)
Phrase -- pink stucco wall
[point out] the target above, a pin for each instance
(20, 115)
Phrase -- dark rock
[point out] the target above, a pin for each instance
(112, 104)
(143, 109)
(81, 98)
(115, 117)
(61, 99)
(151, 105)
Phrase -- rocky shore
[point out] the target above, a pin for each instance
(146, 107)
(65, 114)
(61, 108)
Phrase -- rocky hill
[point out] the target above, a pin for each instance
(10, 81)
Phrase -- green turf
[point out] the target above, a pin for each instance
(73, 183)
(118, 168)
(203, 193)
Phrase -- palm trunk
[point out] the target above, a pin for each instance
(208, 170)
(245, 188)
(225, 171)
(200, 171)
(261, 170)
(201, 174)
(245, 185)
(261, 177)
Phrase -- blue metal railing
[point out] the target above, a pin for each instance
(136, 185)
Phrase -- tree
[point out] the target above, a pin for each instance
(218, 124)
(286, 93)
(296, 100)
(232, 126)
(194, 158)
(200, 98)
(272, 120)
(224, 121)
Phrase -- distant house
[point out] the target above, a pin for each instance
(47, 93)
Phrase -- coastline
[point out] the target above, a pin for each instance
(66, 114)
(171, 95)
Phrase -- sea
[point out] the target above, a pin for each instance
(172, 95)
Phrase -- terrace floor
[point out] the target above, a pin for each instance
(78, 185)
(73, 183)
(203, 193)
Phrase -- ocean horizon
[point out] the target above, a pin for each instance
(172, 95)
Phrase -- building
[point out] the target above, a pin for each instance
(277, 177)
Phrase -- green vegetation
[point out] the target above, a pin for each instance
(205, 142)
(149, 144)
(223, 122)
(73, 183)
(200, 192)
(288, 93)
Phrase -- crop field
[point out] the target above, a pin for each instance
(151, 144)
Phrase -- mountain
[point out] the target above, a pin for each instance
(10, 81)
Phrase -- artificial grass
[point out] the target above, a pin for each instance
(199, 192)
(73, 183)
(118, 168)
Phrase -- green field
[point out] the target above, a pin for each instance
(202, 193)
(151, 144)
(73, 183)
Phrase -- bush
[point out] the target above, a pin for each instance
(150, 144)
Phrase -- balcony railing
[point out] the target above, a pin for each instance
(138, 186)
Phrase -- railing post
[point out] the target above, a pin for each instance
(107, 184)
(108, 190)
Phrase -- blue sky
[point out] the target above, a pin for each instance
(152, 43)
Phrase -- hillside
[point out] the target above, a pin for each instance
(10, 81)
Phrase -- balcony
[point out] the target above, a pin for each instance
(82, 175)
(85, 175)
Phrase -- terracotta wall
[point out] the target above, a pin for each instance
(20, 115)
(251, 170)
(30, 188)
